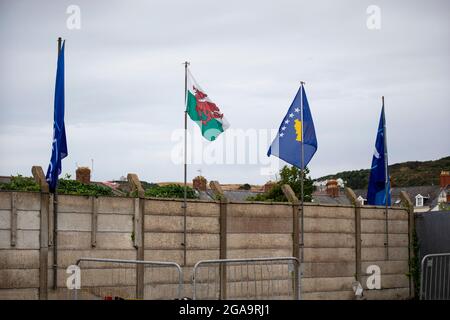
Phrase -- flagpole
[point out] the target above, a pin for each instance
(386, 183)
(186, 64)
(55, 216)
(302, 244)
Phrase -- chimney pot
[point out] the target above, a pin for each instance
(83, 174)
(199, 183)
(268, 186)
(332, 188)
(444, 179)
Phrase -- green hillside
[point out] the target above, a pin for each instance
(405, 174)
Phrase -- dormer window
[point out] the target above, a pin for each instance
(361, 200)
(419, 200)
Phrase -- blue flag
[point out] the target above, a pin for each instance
(59, 145)
(294, 132)
(379, 173)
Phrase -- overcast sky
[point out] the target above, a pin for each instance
(125, 80)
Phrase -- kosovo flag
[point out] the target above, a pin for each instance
(294, 132)
(59, 145)
(379, 174)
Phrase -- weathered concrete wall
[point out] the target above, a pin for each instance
(109, 227)
(164, 237)
(329, 252)
(392, 258)
(19, 245)
(107, 236)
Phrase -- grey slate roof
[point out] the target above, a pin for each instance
(432, 192)
(323, 198)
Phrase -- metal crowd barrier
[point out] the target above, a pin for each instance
(159, 283)
(257, 278)
(435, 277)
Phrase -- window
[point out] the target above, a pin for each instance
(361, 200)
(419, 201)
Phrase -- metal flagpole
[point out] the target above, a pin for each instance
(55, 216)
(302, 244)
(186, 64)
(386, 183)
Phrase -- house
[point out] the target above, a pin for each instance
(443, 199)
(424, 198)
(330, 192)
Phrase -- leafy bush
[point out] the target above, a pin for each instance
(291, 176)
(19, 183)
(245, 186)
(73, 187)
(170, 191)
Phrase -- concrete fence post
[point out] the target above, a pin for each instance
(223, 201)
(94, 222)
(407, 203)
(13, 237)
(355, 202)
(292, 198)
(138, 230)
(39, 177)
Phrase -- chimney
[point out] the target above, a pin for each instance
(332, 188)
(268, 186)
(199, 183)
(83, 174)
(444, 179)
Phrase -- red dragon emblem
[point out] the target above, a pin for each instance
(206, 108)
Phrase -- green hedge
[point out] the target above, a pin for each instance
(19, 183)
(65, 186)
(170, 191)
(73, 187)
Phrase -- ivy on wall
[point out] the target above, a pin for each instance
(20, 183)
(170, 191)
(74, 187)
(65, 186)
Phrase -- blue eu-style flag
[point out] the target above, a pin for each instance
(59, 145)
(294, 132)
(379, 173)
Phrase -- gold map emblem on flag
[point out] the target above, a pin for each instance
(298, 129)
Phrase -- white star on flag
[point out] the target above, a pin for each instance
(287, 121)
(281, 134)
(291, 115)
(283, 128)
(297, 110)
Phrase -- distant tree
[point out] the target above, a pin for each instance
(245, 186)
(405, 174)
(290, 175)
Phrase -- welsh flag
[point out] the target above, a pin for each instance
(203, 111)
